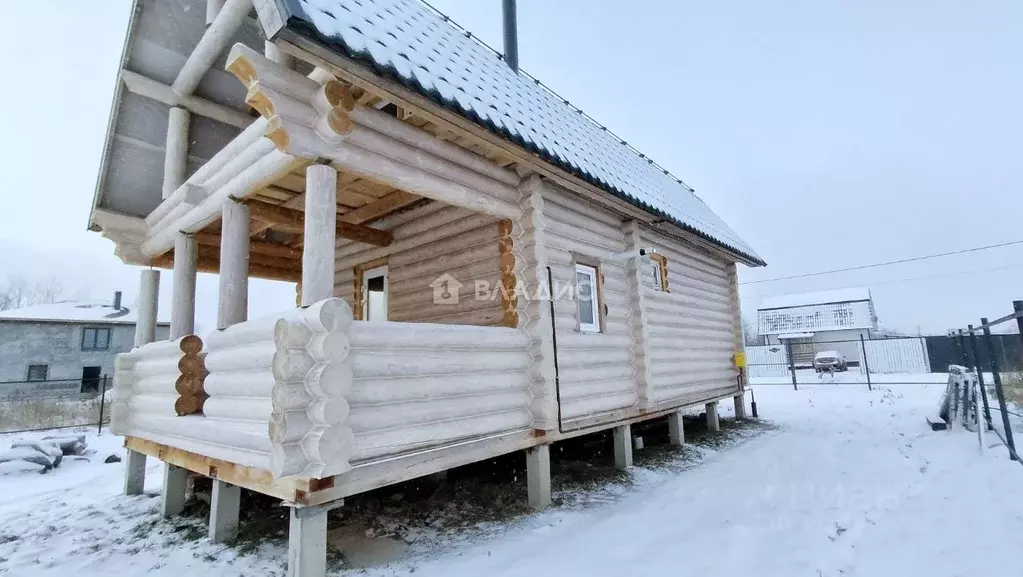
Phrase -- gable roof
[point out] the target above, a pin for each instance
(845, 295)
(98, 312)
(423, 50)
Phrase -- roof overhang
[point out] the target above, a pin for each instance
(274, 17)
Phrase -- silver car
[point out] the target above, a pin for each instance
(830, 361)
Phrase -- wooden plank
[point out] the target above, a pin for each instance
(379, 208)
(506, 258)
(291, 220)
(209, 264)
(259, 480)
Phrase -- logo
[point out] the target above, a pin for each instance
(445, 290)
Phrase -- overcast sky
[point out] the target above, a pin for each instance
(828, 134)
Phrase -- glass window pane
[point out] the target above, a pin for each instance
(584, 286)
(102, 339)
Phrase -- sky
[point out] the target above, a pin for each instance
(828, 134)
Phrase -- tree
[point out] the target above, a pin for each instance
(17, 293)
(751, 336)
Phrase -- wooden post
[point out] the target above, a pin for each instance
(538, 476)
(145, 333)
(183, 304)
(176, 152)
(307, 542)
(234, 266)
(713, 424)
(676, 432)
(623, 446)
(212, 9)
(320, 224)
(174, 479)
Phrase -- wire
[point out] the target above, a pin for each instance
(889, 263)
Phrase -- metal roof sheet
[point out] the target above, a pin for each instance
(422, 49)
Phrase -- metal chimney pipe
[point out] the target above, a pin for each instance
(117, 300)
(511, 36)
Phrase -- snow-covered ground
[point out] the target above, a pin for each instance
(851, 482)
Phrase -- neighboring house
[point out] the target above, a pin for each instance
(813, 322)
(402, 166)
(64, 345)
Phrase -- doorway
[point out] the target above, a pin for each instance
(374, 290)
(90, 379)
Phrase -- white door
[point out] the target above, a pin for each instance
(374, 294)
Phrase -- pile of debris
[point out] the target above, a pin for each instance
(46, 452)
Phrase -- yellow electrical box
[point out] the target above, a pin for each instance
(740, 359)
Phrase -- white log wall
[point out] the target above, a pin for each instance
(596, 369)
(424, 385)
(430, 241)
(692, 327)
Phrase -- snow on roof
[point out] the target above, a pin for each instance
(815, 298)
(406, 40)
(73, 312)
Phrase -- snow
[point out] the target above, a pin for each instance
(74, 311)
(815, 298)
(852, 482)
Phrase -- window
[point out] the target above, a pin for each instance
(38, 372)
(659, 271)
(374, 291)
(95, 339)
(588, 298)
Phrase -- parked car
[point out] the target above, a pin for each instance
(829, 361)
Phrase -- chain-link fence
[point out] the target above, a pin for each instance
(36, 405)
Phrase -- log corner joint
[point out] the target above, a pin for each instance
(303, 118)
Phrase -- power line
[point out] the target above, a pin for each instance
(889, 263)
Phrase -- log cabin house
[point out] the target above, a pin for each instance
(480, 267)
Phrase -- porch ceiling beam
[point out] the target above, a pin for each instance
(155, 90)
(373, 210)
(255, 246)
(290, 220)
(210, 263)
(229, 18)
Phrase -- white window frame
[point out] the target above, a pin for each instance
(366, 276)
(592, 272)
(658, 281)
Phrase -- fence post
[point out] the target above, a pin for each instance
(980, 371)
(102, 401)
(866, 365)
(792, 363)
(999, 392)
(961, 341)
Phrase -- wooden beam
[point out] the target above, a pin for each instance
(376, 209)
(255, 247)
(290, 220)
(211, 264)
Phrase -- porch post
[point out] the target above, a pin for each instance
(713, 423)
(538, 476)
(145, 333)
(676, 432)
(623, 446)
(320, 227)
(183, 301)
(182, 324)
(232, 308)
(176, 151)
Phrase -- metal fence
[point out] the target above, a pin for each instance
(37, 405)
(866, 360)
